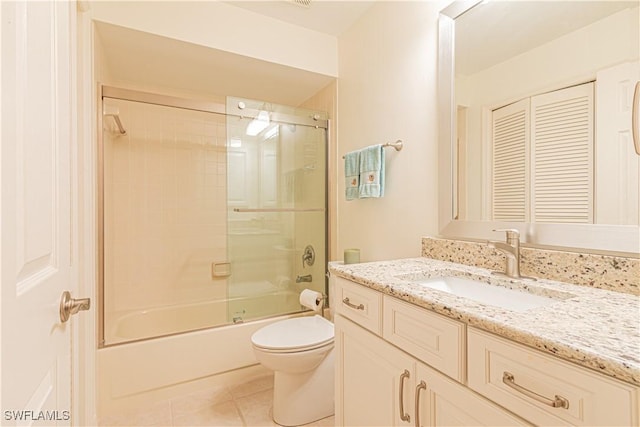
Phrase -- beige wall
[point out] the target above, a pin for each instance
(387, 91)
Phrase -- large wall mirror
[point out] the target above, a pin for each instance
(536, 101)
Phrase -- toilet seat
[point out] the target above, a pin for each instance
(294, 335)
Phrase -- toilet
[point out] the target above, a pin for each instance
(300, 352)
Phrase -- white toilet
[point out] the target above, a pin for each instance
(300, 352)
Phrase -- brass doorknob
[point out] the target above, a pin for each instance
(70, 306)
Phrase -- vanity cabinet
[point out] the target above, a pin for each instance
(374, 379)
(546, 390)
(377, 384)
(401, 365)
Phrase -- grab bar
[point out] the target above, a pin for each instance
(279, 210)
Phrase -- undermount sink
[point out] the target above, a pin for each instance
(486, 293)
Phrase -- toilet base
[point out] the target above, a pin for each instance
(303, 398)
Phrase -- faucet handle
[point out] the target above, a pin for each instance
(512, 233)
(309, 256)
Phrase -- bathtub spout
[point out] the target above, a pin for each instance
(306, 278)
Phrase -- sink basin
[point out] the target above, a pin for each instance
(486, 293)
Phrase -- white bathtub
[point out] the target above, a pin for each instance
(162, 321)
(130, 369)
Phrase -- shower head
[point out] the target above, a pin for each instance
(114, 112)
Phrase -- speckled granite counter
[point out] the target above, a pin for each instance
(595, 328)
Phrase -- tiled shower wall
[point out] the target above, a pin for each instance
(613, 273)
(165, 210)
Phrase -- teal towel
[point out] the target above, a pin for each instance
(352, 174)
(371, 172)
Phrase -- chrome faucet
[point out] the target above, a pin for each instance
(306, 278)
(511, 249)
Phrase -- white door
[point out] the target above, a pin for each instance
(617, 164)
(35, 216)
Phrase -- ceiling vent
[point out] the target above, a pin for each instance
(302, 3)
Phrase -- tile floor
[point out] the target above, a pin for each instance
(246, 404)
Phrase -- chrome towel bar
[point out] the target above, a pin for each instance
(397, 145)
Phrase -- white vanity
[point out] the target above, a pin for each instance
(411, 354)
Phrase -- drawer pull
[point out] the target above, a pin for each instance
(357, 307)
(419, 388)
(403, 416)
(557, 402)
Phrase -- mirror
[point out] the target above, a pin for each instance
(516, 147)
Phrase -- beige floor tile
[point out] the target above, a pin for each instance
(223, 414)
(259, 384)
(256, 408)
(156, 415)
(325, 422)
(249, 404)
(199, 400)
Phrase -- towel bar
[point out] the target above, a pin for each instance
(397, 145)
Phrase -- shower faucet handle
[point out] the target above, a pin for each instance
(308, 256)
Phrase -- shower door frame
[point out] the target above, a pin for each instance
(113, 92)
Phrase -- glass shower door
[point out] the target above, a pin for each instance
(276, 208)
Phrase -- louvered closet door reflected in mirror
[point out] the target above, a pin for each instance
(542, 158)
(510, 149)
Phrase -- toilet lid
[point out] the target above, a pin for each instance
(296, 333)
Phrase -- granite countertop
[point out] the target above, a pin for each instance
(594, 328)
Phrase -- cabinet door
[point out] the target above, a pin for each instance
(369, 379)
(443, 402)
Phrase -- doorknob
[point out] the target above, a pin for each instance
(70, 306)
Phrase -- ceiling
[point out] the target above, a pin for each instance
(325, 16)
(150, 61)
(147, 60)
(493, 32)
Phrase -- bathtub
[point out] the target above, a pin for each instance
(162, 321)
(148, 366)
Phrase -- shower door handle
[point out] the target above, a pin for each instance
(267, 210)
(635, 118)
(70, 306)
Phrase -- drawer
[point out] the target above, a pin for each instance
(432, 338)
(358, 303)
(527, 382)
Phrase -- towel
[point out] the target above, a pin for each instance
(352, 174)
(371, 172)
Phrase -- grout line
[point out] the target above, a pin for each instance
(244, 421)
(171, 412)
